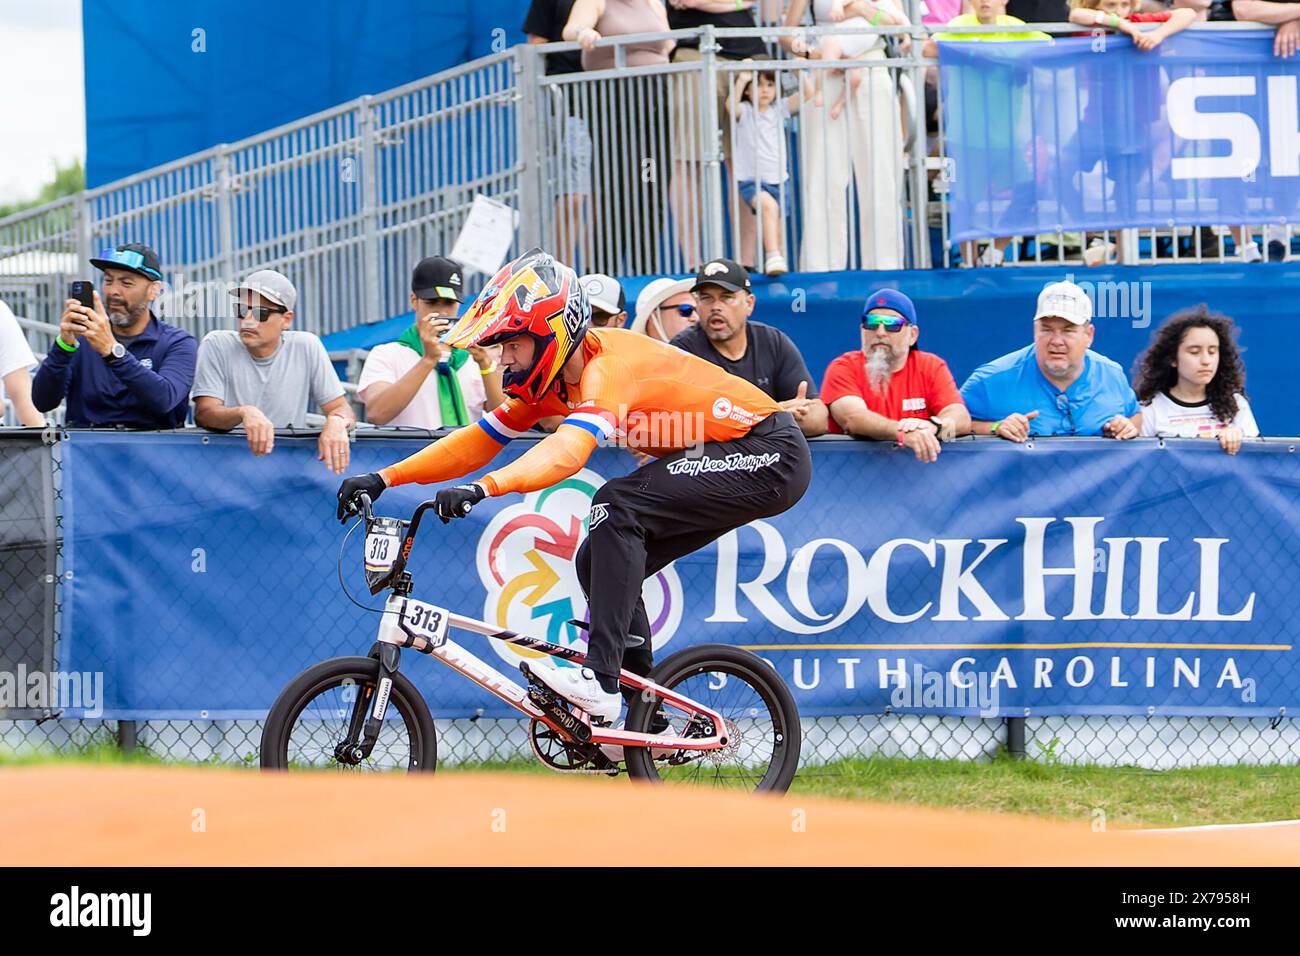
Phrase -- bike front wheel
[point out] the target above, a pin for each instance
(762, 722)
(311, 722)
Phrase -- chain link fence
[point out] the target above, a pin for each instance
(32, 596)
(1152, 743)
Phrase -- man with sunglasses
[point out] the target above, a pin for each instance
(760, 354)
(117, 363)
(890, 390)
(266, 376)
(1057, 385)
(664, 308)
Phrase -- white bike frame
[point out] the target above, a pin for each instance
(423, 627)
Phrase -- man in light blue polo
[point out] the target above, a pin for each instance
(1057, 385)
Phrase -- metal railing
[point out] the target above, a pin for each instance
(343, 202)
(624, 170)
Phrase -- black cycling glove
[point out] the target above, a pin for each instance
(457, 502)
(372, 485)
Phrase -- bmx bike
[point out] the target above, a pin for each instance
(711, 714)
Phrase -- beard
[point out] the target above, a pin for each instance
(129, 316)
(718, 335)
(879, 366)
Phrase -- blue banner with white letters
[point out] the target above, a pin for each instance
(1090, 133)
(1064, 576)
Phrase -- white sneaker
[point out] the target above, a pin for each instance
(1250, 252)
(579, 686)
(992, 256)
(775, 264)
(614, 752)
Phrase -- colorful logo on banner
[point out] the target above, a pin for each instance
(525, 560)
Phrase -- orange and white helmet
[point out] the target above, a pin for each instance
(536, 296)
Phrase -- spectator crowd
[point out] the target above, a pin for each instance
(631, 155)
(114, 363)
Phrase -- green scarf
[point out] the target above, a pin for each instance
(450, 399)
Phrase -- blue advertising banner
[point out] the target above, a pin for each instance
(1090, 133)
(1068, 576)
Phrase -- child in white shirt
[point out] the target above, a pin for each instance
(1190, 382)
(760, 161)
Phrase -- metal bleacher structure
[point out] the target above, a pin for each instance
(346, 200)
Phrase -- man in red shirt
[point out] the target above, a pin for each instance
(890, 390)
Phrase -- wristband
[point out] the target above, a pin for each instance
(876, 19)
(1099, 19)
(994, 429)
(65, 346)
(900, 436)
(489, 370)
(1114, 21)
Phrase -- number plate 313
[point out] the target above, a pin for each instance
(426, 621)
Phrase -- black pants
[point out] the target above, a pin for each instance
(642, 522)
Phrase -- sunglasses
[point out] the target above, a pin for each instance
(685, 310)
(131, 259)
(258, 312)
(1063, 405)
(890, 323)
(602, 319)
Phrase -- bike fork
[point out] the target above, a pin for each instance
(369, 708)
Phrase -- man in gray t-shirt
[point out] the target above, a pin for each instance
(265, 376)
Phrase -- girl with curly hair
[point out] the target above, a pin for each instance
(1190, 381)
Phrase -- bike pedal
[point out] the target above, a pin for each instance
(555, 707)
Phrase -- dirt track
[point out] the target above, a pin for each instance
(147, 816)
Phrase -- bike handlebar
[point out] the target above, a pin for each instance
(366, 511)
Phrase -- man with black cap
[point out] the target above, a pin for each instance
(418, 381)
(265, 376)
(117, 363)
(758, 353)
(891, 390)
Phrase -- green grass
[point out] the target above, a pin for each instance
(1126, 795)
(93, 752)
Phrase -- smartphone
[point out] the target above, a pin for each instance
(83, 292)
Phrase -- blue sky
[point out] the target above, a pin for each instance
(42, 107)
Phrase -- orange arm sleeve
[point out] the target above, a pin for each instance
(452, 456)
(551, 460)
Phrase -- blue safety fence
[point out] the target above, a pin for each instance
(1091, 133)
(1063, 577)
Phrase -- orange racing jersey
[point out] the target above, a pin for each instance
(646, 394)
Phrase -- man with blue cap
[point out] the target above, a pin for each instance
(890, 390)
(115, 362)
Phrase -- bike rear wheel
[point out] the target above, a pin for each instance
(312, 716)
(759, 710)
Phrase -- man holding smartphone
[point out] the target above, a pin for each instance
(114, 361)
(417, 381)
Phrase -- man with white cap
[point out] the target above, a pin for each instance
(1057, 385)
(265, 376)
(608, 301)
(664, 308)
